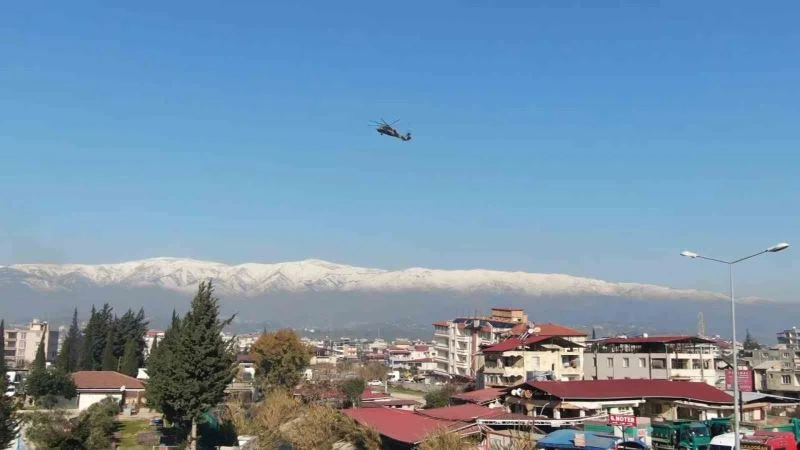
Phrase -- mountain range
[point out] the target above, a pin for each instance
(318, 293)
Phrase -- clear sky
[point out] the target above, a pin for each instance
(550, 136)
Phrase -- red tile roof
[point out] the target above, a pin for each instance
(514, 342)
(554, 329)
(480, 395)
(105, 380)
(654, 340)
(421, 348)
(624, 389)
(441, 323)
(548, 329)
(467, 412)
(400, 425)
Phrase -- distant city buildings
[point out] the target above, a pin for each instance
(21, 343)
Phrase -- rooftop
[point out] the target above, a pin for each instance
(467, 412)
(628, 389)
(655, 340)
(400, 425)
(514, 342)
(105, 380)
(480, 395)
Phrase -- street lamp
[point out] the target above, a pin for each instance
(774, 249)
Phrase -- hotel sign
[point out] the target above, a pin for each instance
(745, 380)
(622, 420)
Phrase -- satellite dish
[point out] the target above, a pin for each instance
(535, 330)
(531, 330)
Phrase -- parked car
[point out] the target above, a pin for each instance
(375, 383)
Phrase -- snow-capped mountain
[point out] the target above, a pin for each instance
(313, 275)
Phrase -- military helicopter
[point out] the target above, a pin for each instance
(387, 130)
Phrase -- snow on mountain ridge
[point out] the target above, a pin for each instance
(250, 279)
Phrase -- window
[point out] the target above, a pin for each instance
(786, 379)
(658, 363)
(626, 362)
(610, 362)
(642, 363)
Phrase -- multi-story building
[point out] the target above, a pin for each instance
(419, 356)
(777, 368)
(22, 342)
(457, 341)
(654, 357)
(531, 357)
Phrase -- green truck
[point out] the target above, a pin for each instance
(687, 434)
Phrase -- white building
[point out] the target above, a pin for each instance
(94, 386)
(458, 342)
(688, 358)
(22, 342)
(517, 360)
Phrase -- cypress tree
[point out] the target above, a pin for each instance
(201, 365)
(68, 359)
(109, 361)
(130, 360)
(161, 372)
(86, 359)
(8, 410)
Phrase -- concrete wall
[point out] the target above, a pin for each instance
(645, 366)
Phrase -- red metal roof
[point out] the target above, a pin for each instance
(480, 395)
(625, 389)
(654, 340)
(467, 412)
(400, 425)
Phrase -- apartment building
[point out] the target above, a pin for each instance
(531, 357)
(21, 343)
(776, 369)
(688, 358)
(457, 341)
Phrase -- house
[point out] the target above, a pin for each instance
(94, 386)
(571, 402)
(517, 359)
(487, 396)
(401, 429)
(689, 358)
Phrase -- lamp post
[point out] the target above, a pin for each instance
(774, 249)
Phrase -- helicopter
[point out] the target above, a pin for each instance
(387, 130)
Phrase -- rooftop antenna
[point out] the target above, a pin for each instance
(701, 325)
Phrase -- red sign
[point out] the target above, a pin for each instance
(622, 420)
(745, 380)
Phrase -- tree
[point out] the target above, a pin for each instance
(373, 371)
(130, 359)
(93, 428)
(201, 364)
(160, 371)
(45, 385)
(68, 358)
(95, 336)
(353, 388)
(440, 397)
(110, 362)
(279, 357)
(8, 407)
(750, 343)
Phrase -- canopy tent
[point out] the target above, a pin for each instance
(565, 439)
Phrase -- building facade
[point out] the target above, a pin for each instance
(457, 342)
(687, 358)
(22, 342)
(517, 360)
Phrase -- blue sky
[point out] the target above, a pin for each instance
(552, 136)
